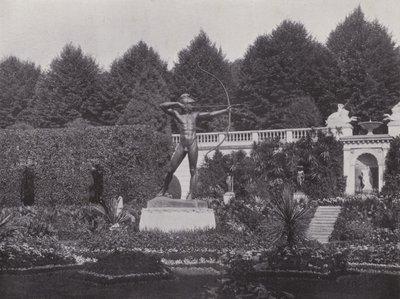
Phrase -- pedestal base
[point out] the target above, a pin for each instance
(169, 215)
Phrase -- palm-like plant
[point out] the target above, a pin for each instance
(113, 211)
(290, 216)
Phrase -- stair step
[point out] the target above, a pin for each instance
(330, 219)
(323, 223)
(322, 226)
(326, 214)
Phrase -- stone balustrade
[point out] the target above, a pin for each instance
(249, 137)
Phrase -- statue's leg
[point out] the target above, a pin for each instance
(176, 160)
(193, 154)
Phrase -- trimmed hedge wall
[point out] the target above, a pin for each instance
(133, 159)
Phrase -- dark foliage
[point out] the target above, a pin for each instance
(279, 69)
(17, 87)
(188, 78)
(368, 60)
(71, 89)
(392, 170)
(271, 164)
(366, 219)
(136, 84)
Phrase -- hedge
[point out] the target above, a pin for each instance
(133, 159)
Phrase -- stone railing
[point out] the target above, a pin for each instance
(249, 137)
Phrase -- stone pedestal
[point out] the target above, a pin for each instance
(228, 196)
(167, 215)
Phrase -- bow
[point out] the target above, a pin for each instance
(229, 113)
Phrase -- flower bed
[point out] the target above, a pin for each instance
(335, 201)
(373, 220)
(124, 267)
(37, 253)
(321, 260)
(376, 254)
(187, 242)
(374, 268)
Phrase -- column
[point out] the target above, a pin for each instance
(289, 136)
(255, 137)
(381, 170)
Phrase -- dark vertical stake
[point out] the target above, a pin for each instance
(28, 186)
(96, 186)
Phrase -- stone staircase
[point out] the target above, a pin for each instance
(321, 226)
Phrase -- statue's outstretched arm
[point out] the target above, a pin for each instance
(213, 113)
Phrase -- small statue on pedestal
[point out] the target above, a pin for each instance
(300, 177)
(299, 195)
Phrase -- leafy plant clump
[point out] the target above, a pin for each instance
(113, 211)
(271, 165)
(290, 217)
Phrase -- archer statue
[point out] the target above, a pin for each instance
(186, 119)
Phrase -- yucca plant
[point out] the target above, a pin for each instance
(113, 211)
(289, 216)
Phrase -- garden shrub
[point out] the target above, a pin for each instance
(392, 171)
(272, 164)
(318, 259)
(132, 157)
(367, 219)
(260, 177)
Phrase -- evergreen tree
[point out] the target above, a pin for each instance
(301, 113)
(392, 171)
(17, 86)
(189, 78)
(69, 90)
(369, 66)
(280, 68)
(138, 76)
(143, 109)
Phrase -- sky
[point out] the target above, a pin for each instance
(37, 30)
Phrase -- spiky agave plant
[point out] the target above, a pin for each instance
(112, 210)
(290, 216)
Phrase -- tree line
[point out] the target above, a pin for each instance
(285, 79)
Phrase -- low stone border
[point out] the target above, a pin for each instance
(294, 274)
(112, 279)
(195, 271)
(40, 269)
(374, 268)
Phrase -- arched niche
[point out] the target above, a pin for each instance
(366, 173)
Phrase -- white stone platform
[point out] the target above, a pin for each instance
(170, 215)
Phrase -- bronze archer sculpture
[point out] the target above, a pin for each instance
(186, 119)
